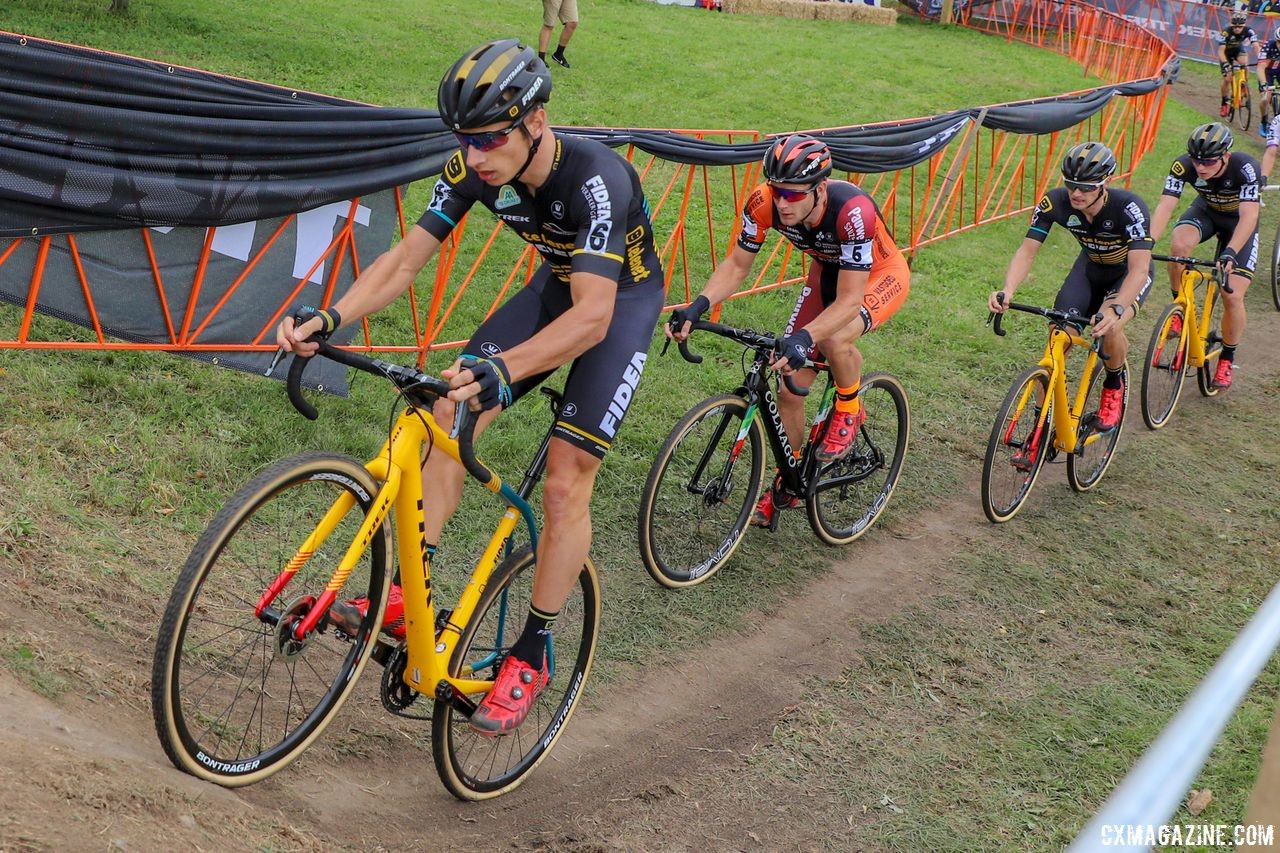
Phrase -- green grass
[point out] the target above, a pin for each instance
(949, 732)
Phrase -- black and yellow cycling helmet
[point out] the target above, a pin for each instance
(1088, 163)
(496, 82)
(1210, 140)
(1238, 18)
(797, 159)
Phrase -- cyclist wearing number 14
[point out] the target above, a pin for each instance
(1113, 273)
(1225, 208)
(857, 279)
(594, 301)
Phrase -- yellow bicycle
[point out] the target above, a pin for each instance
(1039, 419)
(1241, 104)
(248, 669)
(1183, 338)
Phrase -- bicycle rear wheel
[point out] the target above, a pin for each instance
(475, 766)
(1213, 346)
(700, 492)
(1165, 367)
(234, 696)
(849, 495)
(1095, 450)
(1020, 441)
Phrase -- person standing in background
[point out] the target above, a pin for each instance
(567, 13)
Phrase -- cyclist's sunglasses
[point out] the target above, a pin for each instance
(486, 141)
(1200, 161)
(1082, 188)
(791, 196)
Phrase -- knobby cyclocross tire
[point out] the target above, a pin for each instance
(1275, 268)
(1213, 347)
(1165, 367)
(1018, 446)
(475, 766)
(698, 498)
(1093, 454)
(1244, 115)
(234, 697)
(849, 495)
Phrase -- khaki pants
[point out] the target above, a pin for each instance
(565, 10)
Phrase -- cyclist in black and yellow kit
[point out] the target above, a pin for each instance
(1111, 276)
(1226, 208)
(594, 301)
(1233, 49)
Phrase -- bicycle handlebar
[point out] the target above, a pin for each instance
(406, 379)
(1186, 261)
(761, 342)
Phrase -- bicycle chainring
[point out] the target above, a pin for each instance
(398, 697)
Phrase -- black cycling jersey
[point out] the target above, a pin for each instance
(589, 216)
(1122, 223)
(1239, 181)
(1234, 41)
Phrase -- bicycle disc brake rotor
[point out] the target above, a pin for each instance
(287, 645)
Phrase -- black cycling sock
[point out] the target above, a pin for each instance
(532, 645)
(1228, 353)
(1113, 377)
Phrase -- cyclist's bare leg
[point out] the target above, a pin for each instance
(1182, 242)
(442, 477)
(843, 355)
(1116, 347)
(566, 534)
(1233, 313)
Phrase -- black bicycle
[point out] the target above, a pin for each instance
(706, 479)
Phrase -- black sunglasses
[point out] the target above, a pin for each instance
(486, 141)
(1082, 188)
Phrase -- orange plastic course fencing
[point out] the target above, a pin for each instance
(981, 176)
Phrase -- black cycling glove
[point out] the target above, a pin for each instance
(795, 348)
(495, 381)
(689, 314)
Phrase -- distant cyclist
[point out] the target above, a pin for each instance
(857, 279)
(1268, 70)
(593, 301)
(1233, 50)
(1225, 209)
(1112, 274)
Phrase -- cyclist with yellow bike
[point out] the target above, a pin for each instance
(594, 301)
(857, 279)
(1233, 50)
(1113, 272)
(1227, 209)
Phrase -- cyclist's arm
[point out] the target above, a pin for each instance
(728, 276)
(1245, 226)
(1268, 158)
(851, 287)
(1164, 212)
(1017, 273)
(376, 288)
(1127, 296)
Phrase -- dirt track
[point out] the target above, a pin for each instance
(656, 753)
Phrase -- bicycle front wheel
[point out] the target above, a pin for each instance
(1020, 441)
(1095, 450)
(1244, 115)
(235, 696)
(698, 499)
(475, 766)
(1213, 344)
(1275, 269)
(849, 495)
(1165, 367)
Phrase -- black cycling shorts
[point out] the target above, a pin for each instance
(602, 381)
(1088, 285)
(1211, 223)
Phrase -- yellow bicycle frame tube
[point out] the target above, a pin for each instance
(1066, 418)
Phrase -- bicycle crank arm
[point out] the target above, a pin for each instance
(461, 703)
